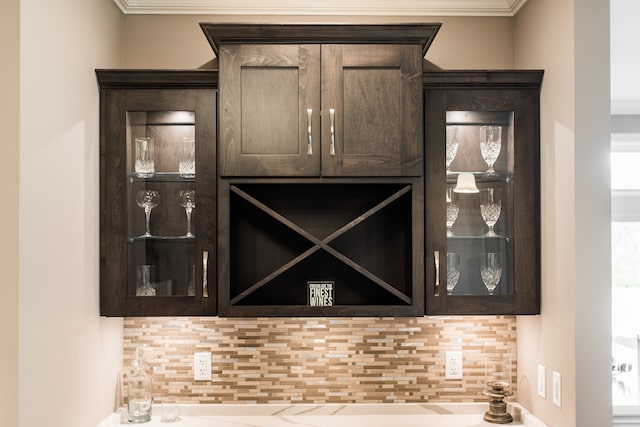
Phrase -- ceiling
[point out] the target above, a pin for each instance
(324, 7)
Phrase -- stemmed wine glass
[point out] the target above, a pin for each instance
(490, 270)
(452, 145)
(490, 140)
(452, 209)
(453, 271)
(147, 199)
(187, 199)
(490, 207)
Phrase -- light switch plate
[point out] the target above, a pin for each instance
(542, 381)
(557, 389)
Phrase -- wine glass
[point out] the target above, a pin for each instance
(490, 140)
(187, 199)
(452, 145)
(490, 207)
(147, 199)
(453, 271)
(490, 270)
(452, 210)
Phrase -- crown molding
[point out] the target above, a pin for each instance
(325, 7)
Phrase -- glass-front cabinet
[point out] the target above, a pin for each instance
(158, 193)
(482, 192)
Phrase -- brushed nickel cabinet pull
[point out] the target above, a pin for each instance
(309, 137)
(332, 147)
(205, 267)
(436, 261)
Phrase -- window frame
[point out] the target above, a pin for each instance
(625, 207)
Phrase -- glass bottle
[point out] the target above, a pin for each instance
(139, 391)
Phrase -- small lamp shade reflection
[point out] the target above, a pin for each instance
(466, 183)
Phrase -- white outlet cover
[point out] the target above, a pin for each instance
(557, 389)
(453, 365)
(202, 366)
(542, 381)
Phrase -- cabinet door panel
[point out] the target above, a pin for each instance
(264, 98)
(270, 125)
(375, 92)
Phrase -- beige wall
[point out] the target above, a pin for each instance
(176, 41)
(9, 171)
(69, 356)
(572, 336)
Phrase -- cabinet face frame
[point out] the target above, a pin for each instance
(485, 91)
(129, 91)
(414, 307)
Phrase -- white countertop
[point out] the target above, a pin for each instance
(333, 415)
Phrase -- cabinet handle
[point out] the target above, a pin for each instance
(309, 138)
(332, 147)
(436, 262)
(205, 267)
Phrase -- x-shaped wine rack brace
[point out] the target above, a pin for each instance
(321, 244)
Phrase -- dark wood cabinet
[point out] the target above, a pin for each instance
(325, 107)
(332, 176)
(483, 245)
(157, 161)
(321, 164)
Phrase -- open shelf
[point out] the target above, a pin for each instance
(356, 237)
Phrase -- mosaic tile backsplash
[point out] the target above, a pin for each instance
(321, 360)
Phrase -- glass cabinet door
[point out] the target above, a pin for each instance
(157, 192)
(482, 192)
(162, 203)
(479, 203)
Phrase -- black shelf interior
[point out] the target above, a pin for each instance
(357, 236)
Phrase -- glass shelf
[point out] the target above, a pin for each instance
(160, 177)
(452, 176)
(162, 238)
(482, 237)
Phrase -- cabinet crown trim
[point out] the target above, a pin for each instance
(235, 33)
(150, 79)
(477, 79)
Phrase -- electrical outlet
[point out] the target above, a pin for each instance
(542, 381)
(557, 389)
(202, 366)
(453, 365)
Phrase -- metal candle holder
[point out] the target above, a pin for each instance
(497, 413)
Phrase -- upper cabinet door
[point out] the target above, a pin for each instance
(372, 110)
(270, 110)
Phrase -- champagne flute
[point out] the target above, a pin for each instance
(490, 141)
(187, 199)
(147, 199)
(453, 271)
(490, 207)
(452, 209)
(452, 145)
(490, 270)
